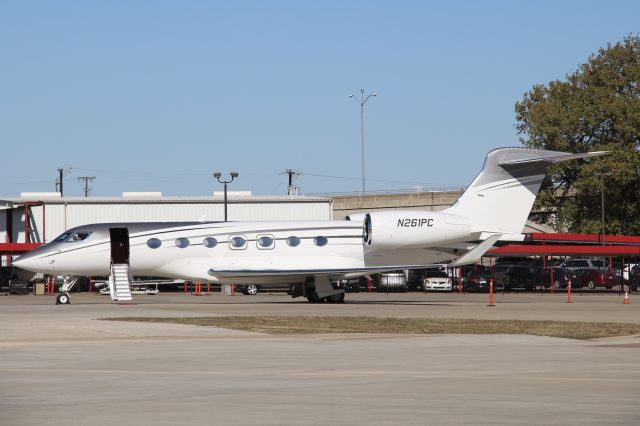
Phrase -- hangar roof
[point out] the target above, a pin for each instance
(168, 200)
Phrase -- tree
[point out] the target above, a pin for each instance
(597, 108)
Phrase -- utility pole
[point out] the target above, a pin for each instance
(292, 173)
(59, 184)
(87, 182)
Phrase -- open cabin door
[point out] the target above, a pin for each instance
(119, 245)
(120, 278)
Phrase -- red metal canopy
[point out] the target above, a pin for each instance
(582, 238)
(564, 250)
(17, 248)
(539, 244)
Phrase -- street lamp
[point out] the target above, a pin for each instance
(218, 175)
(363, 100)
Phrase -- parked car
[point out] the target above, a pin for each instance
(253, 289)
(477, 281)
(436, 280)
(395, 282)
(500, 273)
(520, 277)
(593, 278)
(583, 264)
(634, 278)
(556, 276)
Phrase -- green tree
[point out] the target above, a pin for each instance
(596, 108)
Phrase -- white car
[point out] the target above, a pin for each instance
(436, 280)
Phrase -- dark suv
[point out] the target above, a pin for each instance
(478, 281)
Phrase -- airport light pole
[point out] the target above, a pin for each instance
(218, 175)
(363, 100)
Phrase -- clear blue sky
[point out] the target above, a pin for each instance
(156, 95)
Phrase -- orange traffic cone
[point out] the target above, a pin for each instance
(626, 297)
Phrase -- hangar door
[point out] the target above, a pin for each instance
(119, 245)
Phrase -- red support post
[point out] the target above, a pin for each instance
(610, 264)
(491, 292)
(27, 237)
(44, 224)
(459, 280)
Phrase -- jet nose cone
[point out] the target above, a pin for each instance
(24, 262)
(31, 262)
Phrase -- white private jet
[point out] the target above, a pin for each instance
(308, 254)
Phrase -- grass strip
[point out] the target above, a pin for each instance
(327, 325)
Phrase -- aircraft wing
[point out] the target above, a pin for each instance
(346, 273)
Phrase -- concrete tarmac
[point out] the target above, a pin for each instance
(62, 366)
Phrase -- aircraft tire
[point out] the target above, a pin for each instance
(336, 298)
(63, 299)
(314, 298)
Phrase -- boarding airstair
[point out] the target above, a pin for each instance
(120, 282)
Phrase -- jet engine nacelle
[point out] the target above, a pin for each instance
(413, 229)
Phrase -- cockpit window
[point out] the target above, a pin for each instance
(62, 237)
(79, 236)
(73, 237)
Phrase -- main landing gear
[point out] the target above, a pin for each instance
(334, 298)
(318, 290)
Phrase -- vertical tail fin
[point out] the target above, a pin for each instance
(501, 196)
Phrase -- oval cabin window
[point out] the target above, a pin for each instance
(210, 242)
(265, 242)
(320, 241)
(293, 241)
(238, 242)
(182, 243)
(154, 243)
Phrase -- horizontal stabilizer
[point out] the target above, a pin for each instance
(558, 158)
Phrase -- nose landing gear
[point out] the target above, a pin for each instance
(63, 297)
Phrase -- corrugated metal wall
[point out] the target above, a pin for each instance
(60, 217)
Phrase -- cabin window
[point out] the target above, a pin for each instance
(320, 241)
(154, 243)
(182, 243)
(265, 242)
(293, 241)
(238, 242)
(210, 242)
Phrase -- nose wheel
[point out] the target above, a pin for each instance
(67, 284)
(63, 299)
